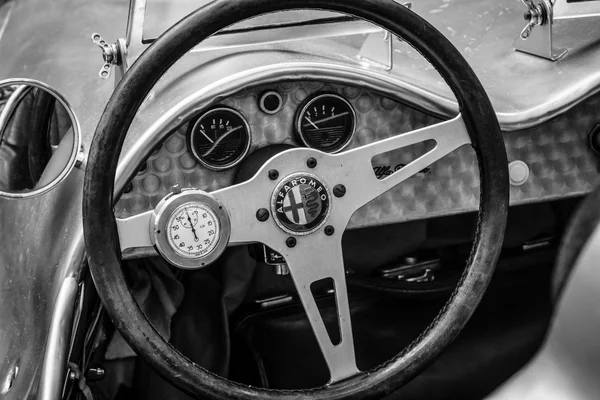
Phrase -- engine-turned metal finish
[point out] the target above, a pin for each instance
(557, 154)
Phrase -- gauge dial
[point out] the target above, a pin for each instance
(220, 138)
(193, 230)
(326, 122)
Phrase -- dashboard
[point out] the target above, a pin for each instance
(549, 161)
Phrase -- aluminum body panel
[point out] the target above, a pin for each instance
(43, 237)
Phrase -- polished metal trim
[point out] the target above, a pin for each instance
(232, 163)
(76, 139)
(305, 107)
(162, 214)
(54, 365)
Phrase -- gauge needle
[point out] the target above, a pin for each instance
(192, 226)
(326, 119)
(312, 123)
(206, 136)
(215, 144)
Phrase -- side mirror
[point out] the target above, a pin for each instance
(39, 138)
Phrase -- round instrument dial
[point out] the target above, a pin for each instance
(220, 138)
(326, 122)
(193, 230)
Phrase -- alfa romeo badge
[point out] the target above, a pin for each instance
(301, 204)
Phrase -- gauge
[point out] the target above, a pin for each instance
(326, 122)
(220, 138)
(193, 230)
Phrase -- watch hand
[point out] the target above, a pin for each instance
(215, 144)
(312, 123)
(192, 225)
(326, 119)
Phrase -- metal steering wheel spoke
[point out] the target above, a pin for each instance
(315, 260)
(244, 206)
(134, 232)
(364, 185)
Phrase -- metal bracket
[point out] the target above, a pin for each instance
(378, 49)
(112, 54)
(536, 38)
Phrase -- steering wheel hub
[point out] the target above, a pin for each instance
(301, 203)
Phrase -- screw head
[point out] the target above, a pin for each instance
(329, 230)
(291, 242)
(311, 162)
(262, 215)
(273, 174)
(339, 191)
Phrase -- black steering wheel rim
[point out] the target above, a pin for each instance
(101, 234)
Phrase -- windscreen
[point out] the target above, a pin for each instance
(162, 14)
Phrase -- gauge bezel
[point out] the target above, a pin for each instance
(306, 105)
(159, 229)
(238, 159)
(263, 98)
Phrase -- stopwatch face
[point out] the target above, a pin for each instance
(193, 230)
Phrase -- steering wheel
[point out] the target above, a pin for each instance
(330, 187)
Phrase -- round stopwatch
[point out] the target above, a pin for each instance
(193, 230)
(190, 229)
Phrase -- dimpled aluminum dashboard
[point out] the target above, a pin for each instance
(557, 153)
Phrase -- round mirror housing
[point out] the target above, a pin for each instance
(40, 138)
